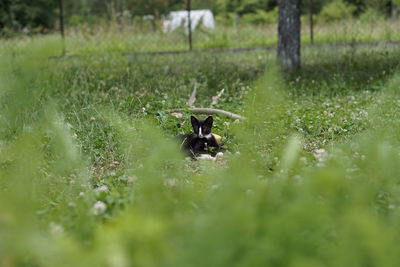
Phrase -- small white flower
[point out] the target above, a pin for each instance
(320, 164)
(178, 115)
(81, 194)
(303, 160)
(219, 154)
(298, 179)
(132, 179)
(249, 192)
(101, 189)
(27, 128)
(170, 182)
(320, 154)
(56, 229)
(214, 187)
(99, 207)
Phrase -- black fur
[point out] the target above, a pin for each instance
(200, 140)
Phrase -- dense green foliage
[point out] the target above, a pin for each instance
(42, 15)
(17, 14)
(89, 175)
(370, 28)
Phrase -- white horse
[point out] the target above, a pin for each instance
(178, 19)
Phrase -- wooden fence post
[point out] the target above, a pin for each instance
(61, 3)
(188, 8)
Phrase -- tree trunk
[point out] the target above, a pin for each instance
(237, 20)
(395, 12)
(61, 18)
(189, 9)
(62, 33)
(311, 21)
(289, 34)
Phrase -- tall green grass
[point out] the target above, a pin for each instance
(137, 40)
(89, 175)
(111, 38)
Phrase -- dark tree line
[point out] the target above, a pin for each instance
(42, 15)
(17, 14)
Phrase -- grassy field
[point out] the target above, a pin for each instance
(89, 175)
(111, 37)
(135, 39)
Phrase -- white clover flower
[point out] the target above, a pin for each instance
(172, 182)
(214, 187)
(178, 115)
(56, 229)
(303, 160)
(249, 192)
(320, 154)
(102, 188)
(99, 207)
(218, 156)
(132, 179)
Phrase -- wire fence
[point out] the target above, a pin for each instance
(193, 29)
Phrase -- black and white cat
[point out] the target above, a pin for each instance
(197, 142)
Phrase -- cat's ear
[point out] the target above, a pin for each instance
(209, 122)
(194, 121)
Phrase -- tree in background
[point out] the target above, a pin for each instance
(5, 16)
(289, 34)
(395, 11)
(247, 6)
(206, 4)
(38, 15)
(42, 15)
(91, 11)
(387, 7)
(154, 7)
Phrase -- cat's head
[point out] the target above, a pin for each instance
(202, 128)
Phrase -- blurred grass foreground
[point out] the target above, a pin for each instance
(272, 204)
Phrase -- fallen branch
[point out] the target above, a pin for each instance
(210, 111)
(192, 97)
(215, 99)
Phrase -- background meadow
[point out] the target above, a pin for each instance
(89, 175)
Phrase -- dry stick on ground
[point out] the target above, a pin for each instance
(215, 99)
(211, 111)
(192, 97)
(206, 111)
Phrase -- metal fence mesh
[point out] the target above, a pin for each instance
(124, 32)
